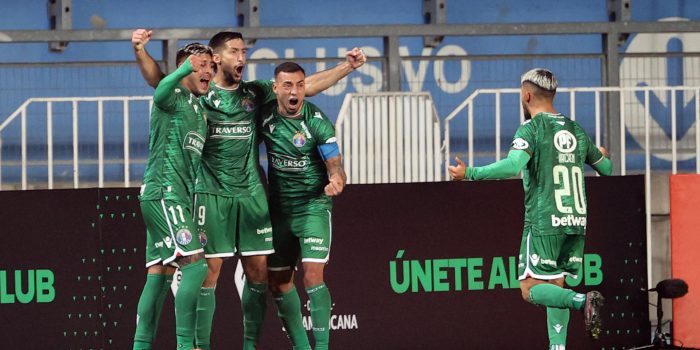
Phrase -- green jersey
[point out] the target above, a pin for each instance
(177, 132)
(297, 173)
(555, 190)
(230, 156)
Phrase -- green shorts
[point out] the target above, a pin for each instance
(551, 256)
(234, 224)
(170, 232)
(307, 235)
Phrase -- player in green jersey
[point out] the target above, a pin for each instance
(552, 149)
(304, 172)
(231, 208)
(177, 132)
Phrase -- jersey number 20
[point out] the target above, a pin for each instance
(570, 183)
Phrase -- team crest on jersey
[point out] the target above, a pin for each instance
(247, 104)
(299, 140)
(203, 238)
(564, 141)
(183, 236)
(520, 144)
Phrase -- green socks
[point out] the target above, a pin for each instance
(206, 304)
(254, 305)
(547, 294)
(148, 310)
(289, 311)
(186, 303)
(557, 324)
(320, 298)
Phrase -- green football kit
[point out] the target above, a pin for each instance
(177, 132)
(300, 210)
(230, 203)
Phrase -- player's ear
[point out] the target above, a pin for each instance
(216, 58)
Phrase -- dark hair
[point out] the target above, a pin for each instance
(220, 38)
(191, 49)
(288, 67)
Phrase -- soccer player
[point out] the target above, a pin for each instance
(177, 132)
(304, 172)
(231, 209)
(553, 149)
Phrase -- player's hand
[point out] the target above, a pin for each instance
(139, 38)
(457, 172)
(197, 62)
(355, 57)
(604, 151)
(335, 185)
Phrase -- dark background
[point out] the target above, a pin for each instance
(93, 242)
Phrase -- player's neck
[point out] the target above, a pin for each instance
(283, 112)
(226, 81)
(543, 109)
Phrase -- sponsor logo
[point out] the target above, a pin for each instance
(534, 259)
(568, 220)
(313, 240)
(298, 140)
(247, 104)
(320, 249)
(520, 144)
(168, 242)
(272, 128)
(576, 259)
(194, 142)
(262, 231)
(318, 115)
(564, 141)
(288, 164)
(558, 327)
(241, 130)
(183, 236)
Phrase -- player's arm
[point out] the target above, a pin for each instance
(502, 169)
(147, 65)
(330, 153)
(164, 96)
(320, 81)
(603, 165)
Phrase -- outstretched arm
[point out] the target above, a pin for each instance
(320, 81)
(336, 176)
(502, 169)
(147, 65)
(164, 97)
(603, 166)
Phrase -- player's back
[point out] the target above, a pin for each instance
(555, 196)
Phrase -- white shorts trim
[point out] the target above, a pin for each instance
(219, 255)
(322, 261)
(179, 252)
(528, 273)
(153, 262)
(258, 252)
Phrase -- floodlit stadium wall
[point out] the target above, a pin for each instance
(413, 266)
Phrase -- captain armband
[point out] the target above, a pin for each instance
(328, 150)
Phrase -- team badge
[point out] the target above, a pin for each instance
(183, 236)
(247, 104)
(299, 140)
(203, 238)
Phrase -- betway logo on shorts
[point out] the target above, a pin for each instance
(313, 240)
(289, 164)
(568, 220)
(237, 130)
(193, 142)
(262, 231)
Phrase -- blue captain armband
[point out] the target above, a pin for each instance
(329, 150)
